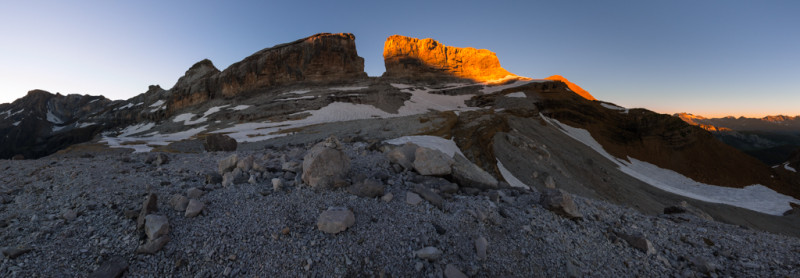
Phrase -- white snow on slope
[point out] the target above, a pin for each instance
(240, 107)
(296, 98)
(488, 89)
(157, 103)
(53, 118)
(8, 114)
(145, 143)
(445, 146)
(614, 107)
(126, 106)
(186, 118)
(754, 197)
(517, 95)
(787, 167)
(348, 88)
(510, 178)
(16, 123)
(401, 86)
(298, 92)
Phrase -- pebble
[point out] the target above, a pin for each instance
(413, 198)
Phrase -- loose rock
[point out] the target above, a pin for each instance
(324, 164)
(560, 202)
(368, 188)
(216, 142)
(468, 174)
(413, 198)
(335, 220)
(193, 208)
(155, 226)
(429, 253)
(179, 202)
(403, 155)
(112, 268)
(481, 244)
(451, 271)
(228, 164)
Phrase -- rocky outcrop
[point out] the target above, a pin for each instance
(574, 88)
(194, 87)
(407, 57)
(319, 58)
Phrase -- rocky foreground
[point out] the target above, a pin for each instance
(343, 209)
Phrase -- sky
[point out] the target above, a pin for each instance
(710, 58)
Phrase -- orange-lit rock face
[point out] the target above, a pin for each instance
(406, 57)
(575, 88)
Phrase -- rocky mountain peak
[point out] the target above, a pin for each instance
(572, 86)
(199, 70)
(407, 57)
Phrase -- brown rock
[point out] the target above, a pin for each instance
(406, 57)
(219, 143)
(321, 57)
(324, 164)
(149, 206)
(560, 202)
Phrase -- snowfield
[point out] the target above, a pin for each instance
(614, 107)
(789, 168)
(753, 197)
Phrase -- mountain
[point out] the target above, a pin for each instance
(771, 139)
(445, 149)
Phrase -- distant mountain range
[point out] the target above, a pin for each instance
(771, 139)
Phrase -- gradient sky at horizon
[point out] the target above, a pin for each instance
(710, 58)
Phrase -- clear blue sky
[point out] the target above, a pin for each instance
(711, 58)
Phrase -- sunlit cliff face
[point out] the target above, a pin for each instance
(575, 88)
(411, 57)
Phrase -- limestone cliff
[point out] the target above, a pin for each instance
(407, 57)
(575, 88)
(320, 58)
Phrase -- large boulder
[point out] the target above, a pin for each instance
(407, 57)
(467, 174)
(325, 163)
(430, 162)
(219, 143)
(403, 155)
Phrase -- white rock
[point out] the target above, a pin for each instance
(335, 220)
(277, 184)
(388, 197)
(430, 162)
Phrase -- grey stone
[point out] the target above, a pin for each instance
(155, 226)
(467, 174)
(430, 162)
(193, 208)
(153, 246)
(413, 198)
(451, 271)
(227, 164)
(245, 164)
(481, 244)
(368, 188)
(149, 206)
(69, 215)
(14, 252)
(194, 193)
(291, 166)
(388, 197)
(403, 155)
(560, 202)
(335, 220)
(638, 241)
(703, 265)
(113, 268)
(213, 178)
(178, 202)
(429, 196)
(429, 253)
(323, 165)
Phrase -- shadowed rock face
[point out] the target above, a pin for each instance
(320, 58)
(406, 57)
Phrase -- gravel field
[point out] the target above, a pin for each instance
(72, 215)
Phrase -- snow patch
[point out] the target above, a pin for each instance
(401, 86)
(157, 103)
(144, 143)
(754, 197)
(488, 89)
(240, 107)
(53, 118)
(348, 88)
(510, 178)
(296, 98)
(614, 107)
(445, 146)
(517, 95)
(186, 118)
(787, 167)
(16, 123)
(129, 105)
(297, 92)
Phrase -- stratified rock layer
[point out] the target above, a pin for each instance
(407, 57)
